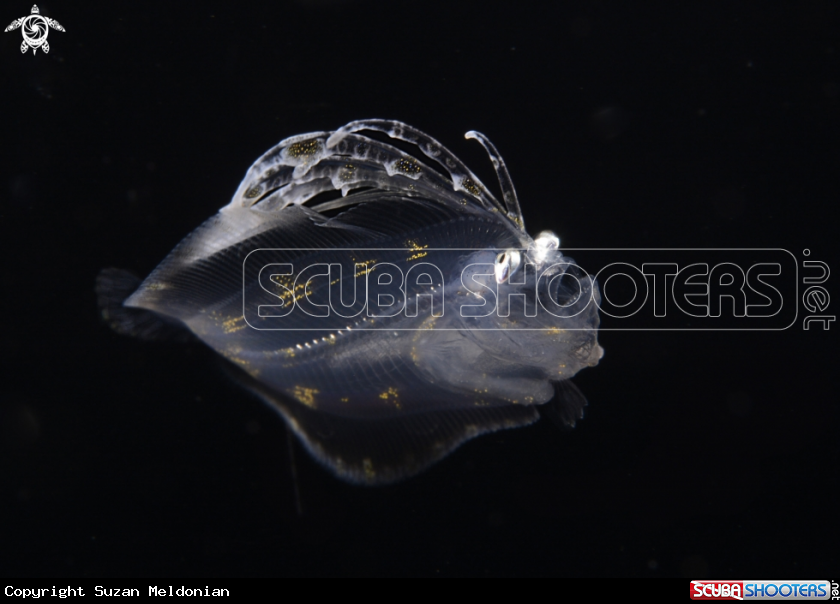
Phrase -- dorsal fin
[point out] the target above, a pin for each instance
(301, 167)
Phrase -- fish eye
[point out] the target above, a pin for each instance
(507, 263)
(545, 243)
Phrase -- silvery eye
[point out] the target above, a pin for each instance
(506, 264)
(545, 243)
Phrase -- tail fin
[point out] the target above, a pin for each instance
(113, 286)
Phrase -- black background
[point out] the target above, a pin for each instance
(681, 125)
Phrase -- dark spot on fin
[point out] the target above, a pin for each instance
(566, 407)
(384, 451)
(113, 286)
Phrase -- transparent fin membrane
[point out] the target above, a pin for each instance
(302, 167)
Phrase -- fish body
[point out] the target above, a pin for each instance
(385, 303)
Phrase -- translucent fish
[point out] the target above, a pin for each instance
(383, 301)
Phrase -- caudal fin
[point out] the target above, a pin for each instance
(113, 286)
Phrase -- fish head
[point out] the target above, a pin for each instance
(542, 316)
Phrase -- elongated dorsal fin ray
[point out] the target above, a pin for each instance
(514, 212)
(302, 167)
(462, 177)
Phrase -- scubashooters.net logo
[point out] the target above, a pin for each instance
(763, 590)
(630, 289)
(35, 29)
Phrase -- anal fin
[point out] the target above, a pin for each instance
(380, 451)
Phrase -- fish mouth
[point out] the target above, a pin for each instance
(597, 355)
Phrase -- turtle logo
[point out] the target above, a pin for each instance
(35, 28)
